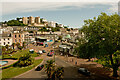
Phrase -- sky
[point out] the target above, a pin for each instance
(69, 12)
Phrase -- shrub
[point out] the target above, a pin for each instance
(20, 47)
(25, 60)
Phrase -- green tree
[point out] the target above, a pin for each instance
(59, 72)
(20, 47)
(7, 46)
(60, 38)
(13, 45)
(15, 23)
(31, 32)
(17, 44)
(103, 36)
(25, 60)
(24, 45)
(3, 48)
(53, 72)
(50, 67)
(68, 29)
(3, 51)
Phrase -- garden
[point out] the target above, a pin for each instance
(19, 53)
(14, 71)
(25, 61)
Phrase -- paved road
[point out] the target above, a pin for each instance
(36, 74)
(70, 71)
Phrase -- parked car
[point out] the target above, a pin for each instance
(49, 54)
(43, 51)
(31, 50)
(40, 52)
(39, 67)
(51, 51)
(84, 71)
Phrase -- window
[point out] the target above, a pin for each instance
(19, 35)
(8, 38)
(4, 43)
(8, 42)
(15, 40)
(15, 36)
(19, 40)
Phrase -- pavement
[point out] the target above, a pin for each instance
(70, 71)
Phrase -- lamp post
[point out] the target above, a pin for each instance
(54, 53)
(54, 47)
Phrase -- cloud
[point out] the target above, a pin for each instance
(22, 7)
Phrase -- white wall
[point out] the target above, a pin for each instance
(6, 41)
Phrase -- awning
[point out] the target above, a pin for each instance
(40, 37)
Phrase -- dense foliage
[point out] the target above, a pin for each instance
(25, 60)
(53, 72)
(102, 38)
(15, 23)
(55, 29)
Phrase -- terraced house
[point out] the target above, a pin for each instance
(6, 39)
(18, 37)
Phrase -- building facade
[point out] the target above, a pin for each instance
(6, 39)
(37, 20)
(31, 20)
(25, 20)
(18, 37)
(52, 24)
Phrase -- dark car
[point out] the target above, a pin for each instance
(49, 54)
(84, 71)
(43, 51)
(39, 67)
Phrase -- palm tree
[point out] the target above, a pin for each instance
(24, 44)
(3, 51)
(18, 44)
(3, 48)
(59, 72)
(52, 72)
(13, 45)
(7, 46)
(20, 47)
(50, 68)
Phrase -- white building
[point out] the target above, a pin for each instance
(57, 33)
(44, 20)
(52, 24)
(6, 29)
(6, 39)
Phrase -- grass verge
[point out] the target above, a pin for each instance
(14, 71)
(19, 53)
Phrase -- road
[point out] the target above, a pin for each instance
(70, 70)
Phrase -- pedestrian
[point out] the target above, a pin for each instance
(72, 59)
(75, 62)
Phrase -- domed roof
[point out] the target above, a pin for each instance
(68, 36)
